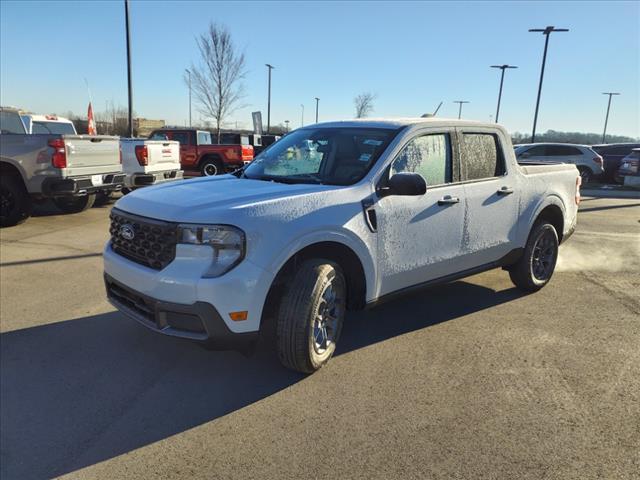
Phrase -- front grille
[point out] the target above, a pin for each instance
(151, 243)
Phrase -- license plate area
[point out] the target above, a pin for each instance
(96, 180)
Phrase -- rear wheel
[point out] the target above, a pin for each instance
(211, 166)
(310, 316)
(538, 262)
(15, 203)
(585, 174)
(75, 204)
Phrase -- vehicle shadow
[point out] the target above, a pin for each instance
(82, 391)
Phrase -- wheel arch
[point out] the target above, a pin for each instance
(335, 251)
(10, 169)
(553, 212)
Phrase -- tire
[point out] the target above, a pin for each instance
(538, 262)
(15, 203)
(75, 204)
(211, 166)
(585, 174)
(310, 316)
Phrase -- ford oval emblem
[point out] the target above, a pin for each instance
(127, 232)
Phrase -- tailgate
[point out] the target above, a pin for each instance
(162, 155)
(88, 155)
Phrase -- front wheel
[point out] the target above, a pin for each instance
(75, 204)
(538, 262)
(310, 316)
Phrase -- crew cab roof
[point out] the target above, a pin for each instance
(395, 123)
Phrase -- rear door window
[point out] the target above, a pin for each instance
(481, 156)
(182, 137)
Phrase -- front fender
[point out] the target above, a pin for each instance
(343, 236)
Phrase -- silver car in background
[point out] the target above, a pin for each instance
(588, 162)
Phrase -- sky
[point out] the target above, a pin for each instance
(411, 55)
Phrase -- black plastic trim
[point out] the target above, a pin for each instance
(509, 259)
(55, 187)
(159, 316)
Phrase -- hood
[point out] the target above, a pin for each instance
(193, 200)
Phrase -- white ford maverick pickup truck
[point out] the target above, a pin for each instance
(333, 217)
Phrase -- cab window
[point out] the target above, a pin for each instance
(481, 156)
(428, 155)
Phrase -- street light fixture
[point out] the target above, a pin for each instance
(460, 102)
(606, 119)
(302, 116)
(269, 67)
(546, 32)
(189, 74)
(317, 101)
(503, 68)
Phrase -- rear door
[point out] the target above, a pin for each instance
(491, 193)
(566, 154)
(535, 153)
(188, 148)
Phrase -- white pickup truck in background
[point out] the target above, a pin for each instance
(149, 162)
(335, 216)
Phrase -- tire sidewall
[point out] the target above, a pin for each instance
(214, 163)
(22, 203)
(334, 275)
(540, 230)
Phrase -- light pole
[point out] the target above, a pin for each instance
(269, 67)
(286, 122)
(130, 113)
(317, 101)
(302, 116)
(503, 68)
(606, 119)
(460, 102)
(546, 32)
(189, 76)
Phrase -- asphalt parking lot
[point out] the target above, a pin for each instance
(468, 380)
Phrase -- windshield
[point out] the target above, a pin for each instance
(333, 156)
(58, 128)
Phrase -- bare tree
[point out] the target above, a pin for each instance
(364, 104)
(217, 81)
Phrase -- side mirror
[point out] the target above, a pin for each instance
(524, 155)
(406, 184)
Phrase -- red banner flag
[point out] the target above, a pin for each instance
(91, 124)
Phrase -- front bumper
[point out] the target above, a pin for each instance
(57, 187)
(199, 321)
(155, 178)
(182, 286)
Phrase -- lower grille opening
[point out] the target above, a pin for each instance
(183, 321)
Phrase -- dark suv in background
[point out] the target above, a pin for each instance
(613, 153)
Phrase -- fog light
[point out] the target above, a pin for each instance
(238, 316)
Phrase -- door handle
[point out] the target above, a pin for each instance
(448, 200)
(505, 191)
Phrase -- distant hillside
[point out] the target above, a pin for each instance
(571, 137)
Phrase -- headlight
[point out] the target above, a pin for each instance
(227, 242)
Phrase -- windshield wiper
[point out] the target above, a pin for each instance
(291, 180)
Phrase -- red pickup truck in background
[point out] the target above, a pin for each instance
(198, 153)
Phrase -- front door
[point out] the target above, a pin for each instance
(419, 237)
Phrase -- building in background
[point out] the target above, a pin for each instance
(144, 126)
